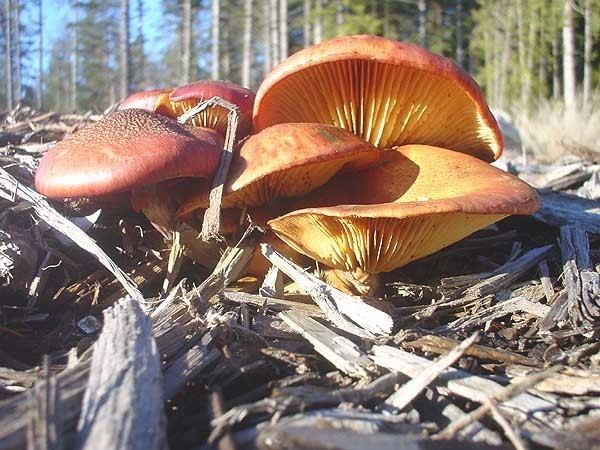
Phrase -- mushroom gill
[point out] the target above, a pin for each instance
(387, 92)
(287, 160)
(420, 200)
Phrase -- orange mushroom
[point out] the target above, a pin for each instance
(130, 150)
(173, 102)
(145, 100)
(286, 160)
(420, 200)
(387, 92)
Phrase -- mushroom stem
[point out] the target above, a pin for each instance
(356, 282)
(160, 207)
(157, 206)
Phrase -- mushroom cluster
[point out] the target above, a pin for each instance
(361, 153)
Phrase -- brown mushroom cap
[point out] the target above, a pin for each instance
(287, 160)
(420, 200)
(387, 92)
(126, 150)
(185, 97)
(144, 100)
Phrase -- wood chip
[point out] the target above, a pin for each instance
(459, 382)
(338, 350)
(409, 391)
(11, 189)
(345, 311)
(560, 209)
(125, 376)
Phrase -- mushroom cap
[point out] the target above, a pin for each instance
(183, 98)
(387, 92)
(126, 150)
(287, 160)
(420, 200)
(144, 100)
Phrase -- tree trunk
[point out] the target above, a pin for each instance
(17, 45)
(422, 9)
(496, 52)
(39, 93)
(521, 53)
(274, 16)
(386, 19)
(124, 80)
(568, 57)
(247, 45)
(307, 19)
(9, 62)
(460, 49)
(488, 52)
(587, 55)
(283, 29)
(267, 44)
(74, 57)
(555, 60)
(215, 39)
(186, 41)
(529, 61)
(339, 17)
(504, 66)
(225, 51)
(318, 22)
(141, 66)
(543, 63)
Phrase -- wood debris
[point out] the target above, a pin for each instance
(290, 362)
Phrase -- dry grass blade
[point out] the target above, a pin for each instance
(409, 391)
(512, 305)
(338, 350)
(442, 344)
(345, 311)
(512, 436)
(286, 405)
(232, 264)
(505, 394)
(11, 189)
(174, 264)
(212, 218)
(461, 383)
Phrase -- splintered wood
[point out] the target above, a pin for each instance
(490, 343)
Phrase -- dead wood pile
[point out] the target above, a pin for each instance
(490, 343)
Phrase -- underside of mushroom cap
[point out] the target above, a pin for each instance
(183, 98)
(387, 92)
(420, 200)
(287, 160)
(144, 100)
(126, 150)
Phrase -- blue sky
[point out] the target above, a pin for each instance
(56, 13)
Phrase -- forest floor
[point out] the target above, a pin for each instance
(492, 342)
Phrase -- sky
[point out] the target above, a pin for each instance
(56, 13)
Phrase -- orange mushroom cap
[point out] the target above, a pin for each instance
(126, 150)
(173, 102)
(144, 100)
(287, 160)
(387, 92)
(183, 98)
(420, 200)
